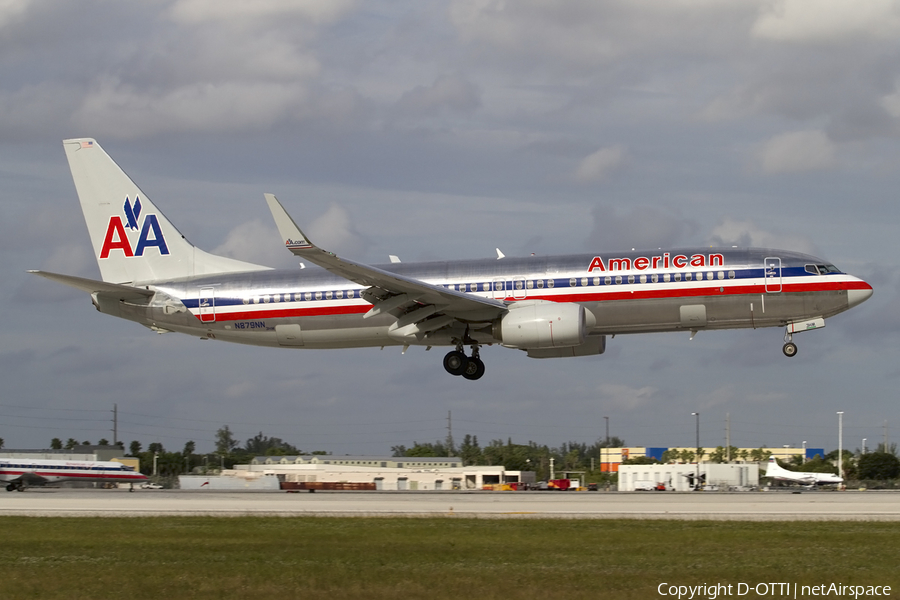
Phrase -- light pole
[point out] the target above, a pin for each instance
(697, 480)
(840, 415)
(864, 446)
(607, 444)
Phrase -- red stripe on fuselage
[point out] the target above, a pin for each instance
(658, 291)
(82, 474)
(319, 311)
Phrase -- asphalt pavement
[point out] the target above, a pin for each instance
(750, 506)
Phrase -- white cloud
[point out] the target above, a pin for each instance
(221, 54)
(891, 102)
(32, 104)
(745, 232)
(11, 10)
(117, 108)
(239, 390)
(452, 92)
(599, 165)
(637, 227)
(586, 34)
(239, 11)
(797, 152)
(253, 242)
(517, 94)
(730, 394)
(335, 231)
(828, 20)
(625, 396)
(218, 67)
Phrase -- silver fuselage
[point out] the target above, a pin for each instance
(24, 472)
(628, 292)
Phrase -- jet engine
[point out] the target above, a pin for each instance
(541, 324)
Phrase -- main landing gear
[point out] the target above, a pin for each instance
(457, 363)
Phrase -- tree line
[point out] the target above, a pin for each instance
(229, 451)
(569, 457)
(589, 460)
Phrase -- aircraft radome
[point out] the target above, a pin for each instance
(545, 306)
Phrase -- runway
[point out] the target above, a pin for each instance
(747, 506)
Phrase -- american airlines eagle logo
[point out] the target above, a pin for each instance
(132, 213)
(116, 237)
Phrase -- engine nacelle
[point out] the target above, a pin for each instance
(541, 324)
(592, 346)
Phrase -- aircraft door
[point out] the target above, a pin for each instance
(499, 289)
(772, 273)
(207, 305)
(518, 289)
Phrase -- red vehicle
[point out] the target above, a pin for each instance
(559, 484)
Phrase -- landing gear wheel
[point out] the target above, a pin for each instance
(790, 349)
(11, 487)
(474, 369)
(455, 362)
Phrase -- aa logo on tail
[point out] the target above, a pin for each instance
(116, 237)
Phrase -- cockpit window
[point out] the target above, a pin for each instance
(822, 269)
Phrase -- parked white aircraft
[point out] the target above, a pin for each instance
(19, 473)
(779, 473)
(546, 306)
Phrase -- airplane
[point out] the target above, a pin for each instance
(777, 472)
(545, 306)
(20, 473)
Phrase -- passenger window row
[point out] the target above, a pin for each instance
(587, 281)
(303, 296)
(67, 468)
(517, 284)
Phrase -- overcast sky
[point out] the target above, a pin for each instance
(443, 130)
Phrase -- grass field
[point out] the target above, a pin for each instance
(271, 557)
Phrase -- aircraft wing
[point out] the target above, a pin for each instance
(123, 292)
(803, 480)
(396, 290)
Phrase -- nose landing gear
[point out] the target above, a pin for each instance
(790, 348)
(457, 363)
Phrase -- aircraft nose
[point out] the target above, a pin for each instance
(858, 296)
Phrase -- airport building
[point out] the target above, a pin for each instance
(611, 458)
(392, 462)
(681, 477)
(375, 473)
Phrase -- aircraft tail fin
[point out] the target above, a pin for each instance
(132, 240)
(773, 468)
